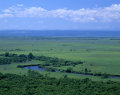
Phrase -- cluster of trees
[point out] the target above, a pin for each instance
(37, 84)
(7, 58)
(55, 62)
(4, 61)
(104, 75)
(86, 72)
(48, 61)
(50, 69)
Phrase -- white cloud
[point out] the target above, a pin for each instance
(6, 15)
(96, 5)
(7, 11)
(113, 7)
(105, 14)
(15, 9)
(31, 12)
(20, 5)
(38, 22)
(5, 21)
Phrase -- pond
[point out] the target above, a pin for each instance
(36, 68)
(42, 69)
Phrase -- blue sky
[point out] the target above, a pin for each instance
(60, 14)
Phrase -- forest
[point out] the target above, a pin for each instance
(37, 84)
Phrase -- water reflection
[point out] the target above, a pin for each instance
(42, 69)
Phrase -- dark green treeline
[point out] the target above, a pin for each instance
(37, 84)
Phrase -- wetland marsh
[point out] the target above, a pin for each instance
(98, 54)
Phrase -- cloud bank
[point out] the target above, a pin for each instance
(105, 14)
(20, 5)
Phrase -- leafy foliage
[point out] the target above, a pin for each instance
(30, 56)
(8, 58)
(55, 62)
(5, 61)
(69, 69)
(37, 84)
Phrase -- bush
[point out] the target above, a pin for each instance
(20, 66)
(53, 70)
(105, 76)
(62, 70)
(69, 69)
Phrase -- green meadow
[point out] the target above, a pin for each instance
(97, 54)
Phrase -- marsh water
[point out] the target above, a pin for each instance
(36, 68)
(42, 69)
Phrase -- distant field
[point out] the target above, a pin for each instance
(98, 54)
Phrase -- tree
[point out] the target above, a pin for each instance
(6, 54)
(105, 76)
(86, 70)
(53, 70)
(69, 69)
(65, 77)
(30, 56)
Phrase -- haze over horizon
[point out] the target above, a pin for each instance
(60, 33)
(60, 15)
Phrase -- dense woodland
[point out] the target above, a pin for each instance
(48, 61)
(37, 84)
(9, 58)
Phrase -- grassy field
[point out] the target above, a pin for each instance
(12, 68)
(98, 54)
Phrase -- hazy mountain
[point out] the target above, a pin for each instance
(63, 33)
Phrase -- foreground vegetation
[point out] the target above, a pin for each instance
(37, 84)
(89, 56)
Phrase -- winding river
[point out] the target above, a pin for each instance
(42, 69)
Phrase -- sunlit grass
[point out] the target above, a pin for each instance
(103, 54)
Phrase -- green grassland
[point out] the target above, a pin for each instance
(12, 68)
(98, 54)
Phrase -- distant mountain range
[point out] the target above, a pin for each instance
(61, 33)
